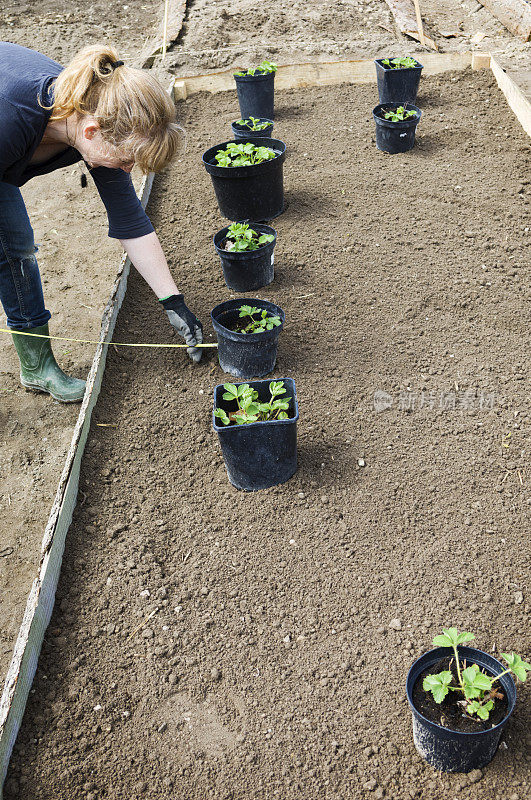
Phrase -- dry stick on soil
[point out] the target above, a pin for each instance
(165, 29)
(419, 23)
(143, 623)
(403, 12)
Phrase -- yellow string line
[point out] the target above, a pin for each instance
(90, 341)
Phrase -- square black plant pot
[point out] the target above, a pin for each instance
(397, 85)
(260, 454)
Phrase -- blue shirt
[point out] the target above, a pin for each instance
(27, 77)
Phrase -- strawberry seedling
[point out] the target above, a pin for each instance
(249, 409)
(254, 124)
(477, 688)
(240, 238)
(265, 321)
(398, 114)
(406, 62)
(243, 155)
(262, 69)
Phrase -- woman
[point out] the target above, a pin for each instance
(111, 116)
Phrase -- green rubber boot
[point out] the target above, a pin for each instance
(40, 371)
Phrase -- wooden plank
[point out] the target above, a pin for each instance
(405, 16)
(514, 14)
(517, 100)
(480, 60)
(176, 10)
(323, 73)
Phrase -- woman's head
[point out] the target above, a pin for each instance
(120, 111)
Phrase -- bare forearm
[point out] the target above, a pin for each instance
(147, 256)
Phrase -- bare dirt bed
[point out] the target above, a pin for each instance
(219, 34)
(34, 431)
(278, 626)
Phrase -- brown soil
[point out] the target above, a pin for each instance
(241, 33)
(36, 430)
(449, 714)
(278, 626)
(60, 28)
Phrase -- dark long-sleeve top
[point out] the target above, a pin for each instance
(26, 85)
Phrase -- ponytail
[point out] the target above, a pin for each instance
(134, 112)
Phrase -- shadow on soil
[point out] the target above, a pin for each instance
(287, 112)
(308, 203)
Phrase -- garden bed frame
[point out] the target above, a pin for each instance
(41, 598)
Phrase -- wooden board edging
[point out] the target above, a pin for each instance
(321, 73)
(517, 100)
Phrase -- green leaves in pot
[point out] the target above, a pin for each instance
(477, 688)
(243, 155)
(407, 62)
(249, 409)
(264, 68)
(398, 114)
(265, 321)
(254, 124)
(240, 237)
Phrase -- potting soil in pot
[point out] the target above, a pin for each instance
(259, 671)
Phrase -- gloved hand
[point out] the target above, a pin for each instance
(185, 323)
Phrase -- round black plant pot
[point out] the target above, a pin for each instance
(248, 193)
(245, 355)
(243, 132)
(395, 137)
(455, 751)
(256, 94)
(250, 269)
(260, 454)
(397, 85)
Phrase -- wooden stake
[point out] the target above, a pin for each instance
(165, 30)
(419, 23)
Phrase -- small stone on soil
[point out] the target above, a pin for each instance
(474, 776)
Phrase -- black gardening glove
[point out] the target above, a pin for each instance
(185, 323)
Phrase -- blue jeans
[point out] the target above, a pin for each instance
(20, 280)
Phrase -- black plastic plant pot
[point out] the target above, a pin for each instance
(256, 94)
(248, 193)
(245, 355)
(395, 137)
(249, 269)
(455, 751)
(244, 132)
(260, 454)
(397, 85)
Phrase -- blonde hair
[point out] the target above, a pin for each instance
(134, 112)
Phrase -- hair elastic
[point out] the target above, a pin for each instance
(115, 64)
